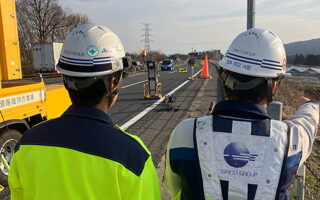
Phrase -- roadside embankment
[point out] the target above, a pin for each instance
(289, 94)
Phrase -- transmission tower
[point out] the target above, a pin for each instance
(147, 36)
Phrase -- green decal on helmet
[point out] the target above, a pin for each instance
(92, 51)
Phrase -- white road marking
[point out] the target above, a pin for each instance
(143, 113)
(134, 84)
(137, 74)
(172, 72)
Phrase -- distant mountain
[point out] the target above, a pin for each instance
(303, 47)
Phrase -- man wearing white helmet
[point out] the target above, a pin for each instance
(239, 152)
(83, 154)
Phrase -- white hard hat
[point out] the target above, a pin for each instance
(91, 51)
(256, 52)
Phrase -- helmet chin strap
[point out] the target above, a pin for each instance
(269, 91)
(270, 84)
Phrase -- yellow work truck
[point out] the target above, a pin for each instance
(23, 103)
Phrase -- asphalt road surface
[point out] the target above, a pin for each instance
(130, 102)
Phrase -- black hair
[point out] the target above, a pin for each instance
(90, 96)
(255, 95)
(93, 94)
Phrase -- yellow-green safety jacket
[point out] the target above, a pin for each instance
(82, 156)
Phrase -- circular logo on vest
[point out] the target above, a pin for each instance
(92, 51)
(237, 155)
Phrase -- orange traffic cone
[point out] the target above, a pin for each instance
(205, 70)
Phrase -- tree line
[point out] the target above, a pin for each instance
(43, 21)
(300, 59)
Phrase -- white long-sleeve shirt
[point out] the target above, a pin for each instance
(182, 174)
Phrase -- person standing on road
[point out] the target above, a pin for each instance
(239, 152)
(83, 154)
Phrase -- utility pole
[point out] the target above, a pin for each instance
(251, 14)
(146, 36)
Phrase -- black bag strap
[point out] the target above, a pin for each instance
(283, 175)
(197, 156)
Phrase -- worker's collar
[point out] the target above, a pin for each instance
(88, 112)
(241, 109)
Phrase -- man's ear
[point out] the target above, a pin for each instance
(274, 85)
(112, 84)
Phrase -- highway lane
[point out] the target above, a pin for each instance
(130, 102)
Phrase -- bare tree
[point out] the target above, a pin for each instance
(40, 18)
(43, 21)
(158, 55)
(71, 21)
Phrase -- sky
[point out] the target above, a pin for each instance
(178, 26)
